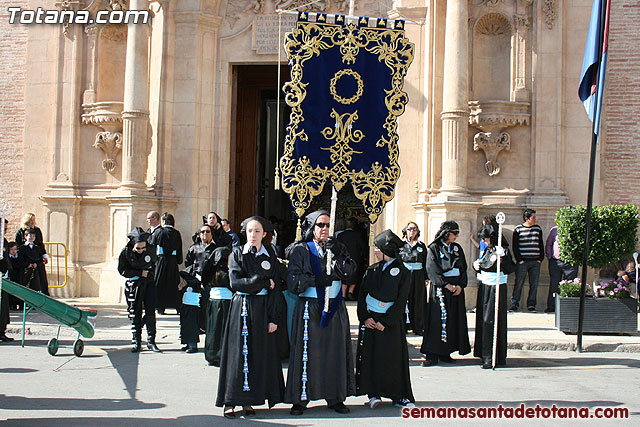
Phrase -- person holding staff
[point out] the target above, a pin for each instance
(414, 256)
(446, 317)
(320, 362)
(382, 362)
(250, 369)
(488, 278)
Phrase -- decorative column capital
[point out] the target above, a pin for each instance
(111, 144)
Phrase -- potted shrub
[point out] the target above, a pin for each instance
(609, 309)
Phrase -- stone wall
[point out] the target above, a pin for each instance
(621, 160)
(13, 45)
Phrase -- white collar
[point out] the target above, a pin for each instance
(247, 247)
(154, 228)
(168, 226)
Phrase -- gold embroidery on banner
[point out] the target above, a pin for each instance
(300, 179)
(341, 151)
(334, 81)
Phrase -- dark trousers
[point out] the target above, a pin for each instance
(558, 271)
(141, 295)
(532, 268)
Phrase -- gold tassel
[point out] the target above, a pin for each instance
(276, 183)
(299, 231)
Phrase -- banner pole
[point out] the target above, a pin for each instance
(500, 218)
(332, 225)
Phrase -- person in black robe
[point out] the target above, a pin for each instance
(135, 263)
(4, 297)
(191, 290)
(445, 316)
(320, 361)
(168, 244)
(218, 304)
(29, 221)
(485, 305)
(250, 369)
(31, 258)
(414, 256)
(14, 274)
(382, 361)
(202, 262)
(359, 252)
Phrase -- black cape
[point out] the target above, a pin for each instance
(439, 261)
(417, 291)
(250, 274)
(330, 367)
(382, 362)
(166, 270)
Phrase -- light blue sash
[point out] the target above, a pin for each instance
(264, 291)
(160, 251)
(220, 293)
(413, 265)
(336, 287)
(489, 278)
(452, 273)
(377, 306)
(132, 279)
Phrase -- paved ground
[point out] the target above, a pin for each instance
(110, 386)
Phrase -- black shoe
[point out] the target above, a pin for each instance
(531, 308)
(447, 359)
(229, 412)
(429, 362)
(339, 408)
(297, 410)
(513, 308)
(5, 338)
(215, 363)
(486, 364)
(185, 347)
(135, 348)
(351, 297)
(161, 311)
(549, 310)
(192, 350)
(249, 411)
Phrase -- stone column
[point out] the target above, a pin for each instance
(455, 114)
(135, 114)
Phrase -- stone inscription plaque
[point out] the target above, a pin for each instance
(265, 32)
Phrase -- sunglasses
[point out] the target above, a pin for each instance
(138, 248)
(322, 224)
(411, 228)
(456, 232)
(205, 232)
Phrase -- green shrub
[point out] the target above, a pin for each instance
(613, 233)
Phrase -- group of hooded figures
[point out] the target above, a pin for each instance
(246, 314)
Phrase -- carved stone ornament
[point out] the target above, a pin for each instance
(494, 116)
(491, 143)
(111, 144)
(119, 4)
(493, 24)
(67, 5)
(549, 10)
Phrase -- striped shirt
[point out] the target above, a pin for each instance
(528, 243)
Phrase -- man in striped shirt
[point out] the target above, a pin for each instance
(528, 249)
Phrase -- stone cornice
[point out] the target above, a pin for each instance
(493, 116)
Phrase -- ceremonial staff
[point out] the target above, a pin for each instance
(635, 258)
(500, 220)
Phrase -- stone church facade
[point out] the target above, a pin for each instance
(102, 123)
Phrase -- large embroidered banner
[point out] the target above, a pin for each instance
(346, 95)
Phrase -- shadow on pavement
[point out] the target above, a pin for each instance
(121, 360)
(73, 404)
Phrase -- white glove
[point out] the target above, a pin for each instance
(500, 251)
(476, 265)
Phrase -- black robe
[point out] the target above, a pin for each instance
(330, 368)
(41, 276)
(417, 291)
(382, 362)
(32, 277)
(439, 261)
(4, 303)
(485, 309)
(139, 291)
(166, 270)
(250, 274)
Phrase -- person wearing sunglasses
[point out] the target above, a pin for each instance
(414, 256)
(136, 263)
(445, 316)
(320, 361)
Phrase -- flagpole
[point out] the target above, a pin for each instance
(592, 167)
(500, 218)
